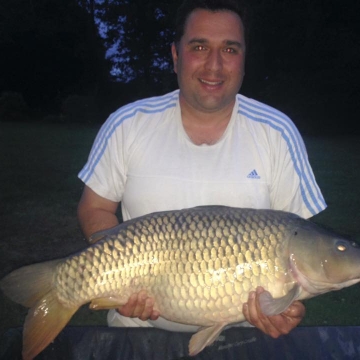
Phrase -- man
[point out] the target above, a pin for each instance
(201, 145)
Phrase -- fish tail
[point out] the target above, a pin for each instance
(32, 286)
(43, 323)
(27, 285)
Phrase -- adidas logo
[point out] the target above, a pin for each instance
(253, 175)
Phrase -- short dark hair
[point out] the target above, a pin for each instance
(188, 6)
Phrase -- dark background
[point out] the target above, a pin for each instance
(60, 78)
(303, 58)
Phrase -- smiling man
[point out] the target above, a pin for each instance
(210, 64)
(203, 144)
(210, 69)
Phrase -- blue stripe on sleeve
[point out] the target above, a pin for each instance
(277, 120)
(146, 106)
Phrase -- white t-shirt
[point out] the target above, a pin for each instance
(143, 158)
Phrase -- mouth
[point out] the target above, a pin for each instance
(211, 83)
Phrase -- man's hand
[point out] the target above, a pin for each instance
(275, 325)
(139, 306)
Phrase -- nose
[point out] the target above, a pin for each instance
(214, 61)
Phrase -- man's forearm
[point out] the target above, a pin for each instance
(94, 220)
(96, 213)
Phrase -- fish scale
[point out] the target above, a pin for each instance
(164, 246)
(198, 264)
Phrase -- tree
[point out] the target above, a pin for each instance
(48, 48)
(303, 59)
(138, 37)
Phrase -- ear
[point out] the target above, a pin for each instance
(174, 54)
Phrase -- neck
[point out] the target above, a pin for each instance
(205, 127)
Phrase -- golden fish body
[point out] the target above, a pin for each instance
(198, 264)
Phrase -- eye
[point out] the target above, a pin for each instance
(341, 246)
(230, 50)
(199, 47)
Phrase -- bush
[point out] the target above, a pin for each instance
(54, 118)
(12, 106)
(80, 108)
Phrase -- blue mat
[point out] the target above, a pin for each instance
(103, 343)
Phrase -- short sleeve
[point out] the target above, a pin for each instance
(105, 170)
(293, 186)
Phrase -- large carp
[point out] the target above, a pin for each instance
(198, 264)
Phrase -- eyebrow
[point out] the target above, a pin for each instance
(205, 41)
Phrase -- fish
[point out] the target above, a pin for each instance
(199, 264)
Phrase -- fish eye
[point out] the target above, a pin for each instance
(341, 247)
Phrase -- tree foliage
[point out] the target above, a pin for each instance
(48, 48)
(138, 36)
(302, 56)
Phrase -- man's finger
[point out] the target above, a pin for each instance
(128, 308)
(147, 309)
(140, 305)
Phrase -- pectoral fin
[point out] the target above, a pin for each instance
(107, 303)
(204, 337)
(270, 306)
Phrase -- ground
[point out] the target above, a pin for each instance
(40, 191)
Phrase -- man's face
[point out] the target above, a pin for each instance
(209, 61)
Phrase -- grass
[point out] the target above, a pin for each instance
(39, 195)
(40, 191)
